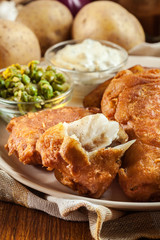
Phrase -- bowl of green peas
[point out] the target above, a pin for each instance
(31, 88)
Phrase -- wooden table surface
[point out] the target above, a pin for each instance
(20, 223)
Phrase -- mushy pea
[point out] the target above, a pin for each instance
(30, 83)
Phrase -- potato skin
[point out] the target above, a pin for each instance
(18, 44)
(106, 20)
(50, 20)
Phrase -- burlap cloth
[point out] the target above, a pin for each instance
(105, 223)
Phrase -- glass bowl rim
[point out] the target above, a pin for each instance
(66, 93)
(109, 69)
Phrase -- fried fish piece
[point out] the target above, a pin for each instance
(133, 99)
(93, 99)
(140, 174)
(77, 152)
(26, 130)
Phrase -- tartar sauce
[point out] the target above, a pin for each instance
(89, 55)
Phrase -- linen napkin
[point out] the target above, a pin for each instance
(105, 223)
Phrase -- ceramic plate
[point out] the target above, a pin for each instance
(44, 181)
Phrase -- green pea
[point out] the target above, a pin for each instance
(18, 75)
(33, 64)
(12, 72)
(60, 87)
(27, 71)
(47, 91)
(56, 93)
(24, 96)
(25, 79)
(33, 68)
(65, 87)
(38, 105)
(18, 86)
(7, 83)
(2, 82)
(51, 68)
(13, 82)
(59, 78)
(48, 105)
(49, 76)
(36, 99)
(57, 87)
(32, 74)
(18, 66)
(18, 94)
(32, 89)
(38, 75)
(42, 82)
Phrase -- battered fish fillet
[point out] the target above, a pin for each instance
(133, 99)
(77, 153)
(93, 99)
(26, 130)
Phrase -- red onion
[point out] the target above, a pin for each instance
(74, 5)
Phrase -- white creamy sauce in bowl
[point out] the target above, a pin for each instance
(88, 62)
(89, 55)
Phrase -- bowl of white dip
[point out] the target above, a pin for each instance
(89, 62)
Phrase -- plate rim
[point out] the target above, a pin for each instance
(119, 205)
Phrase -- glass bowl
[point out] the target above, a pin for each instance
(85, 81)
(10, 109)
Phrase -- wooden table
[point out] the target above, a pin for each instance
(20, 223)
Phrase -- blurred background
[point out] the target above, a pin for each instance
(146, 11)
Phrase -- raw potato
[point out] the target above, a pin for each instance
(18, 44)
(106, 20)
(50, 20)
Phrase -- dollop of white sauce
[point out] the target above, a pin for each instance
(89, 55)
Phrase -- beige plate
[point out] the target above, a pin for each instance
(41, 180)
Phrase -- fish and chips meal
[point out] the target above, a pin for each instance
(115, 134)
